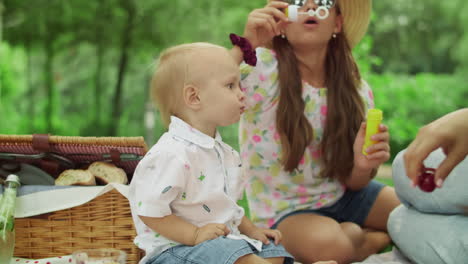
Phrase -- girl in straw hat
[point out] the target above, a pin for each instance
(303, 131)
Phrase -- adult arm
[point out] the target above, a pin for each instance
(262, 25)
(450, 133)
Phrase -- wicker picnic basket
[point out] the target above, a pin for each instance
(54, 154)
(104, 222)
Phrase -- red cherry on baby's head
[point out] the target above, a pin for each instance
(426, 180)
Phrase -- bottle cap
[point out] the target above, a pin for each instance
(13, 178)
(374, 114)
(292, 13)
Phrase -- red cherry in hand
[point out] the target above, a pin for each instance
(426, 180)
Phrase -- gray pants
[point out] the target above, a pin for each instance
(431, 227)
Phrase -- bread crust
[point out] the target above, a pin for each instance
(108, 173)
(76, 177)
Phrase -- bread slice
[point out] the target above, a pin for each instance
(108, 172)
(75, 177)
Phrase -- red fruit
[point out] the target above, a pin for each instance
(426, 180)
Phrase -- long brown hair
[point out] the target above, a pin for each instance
(344, 115)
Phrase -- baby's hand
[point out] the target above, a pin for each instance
(208, 232)
(264, 235)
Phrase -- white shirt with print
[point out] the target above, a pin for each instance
(191, 175)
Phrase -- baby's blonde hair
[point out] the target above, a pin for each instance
(173, 72)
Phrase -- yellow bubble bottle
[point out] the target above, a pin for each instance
(374, 118)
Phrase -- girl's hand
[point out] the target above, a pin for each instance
(264, 235)
(378, 152)
(208, 232)
(265, 23)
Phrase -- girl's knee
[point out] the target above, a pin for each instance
(354, 232)
(338, 246)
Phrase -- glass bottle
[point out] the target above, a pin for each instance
(7, 219)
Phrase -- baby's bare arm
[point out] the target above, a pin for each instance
(179, 230)
(172, 227)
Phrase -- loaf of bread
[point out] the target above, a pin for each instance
(75, 177)
(108, 173)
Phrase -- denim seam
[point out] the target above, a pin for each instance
(184, 259)
(239, 253)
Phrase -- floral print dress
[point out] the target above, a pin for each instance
(273, 192)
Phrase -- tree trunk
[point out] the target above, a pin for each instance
(49, 82)
(98, 86)
(1, 21)
(1, 40)
(99, 38)
(30, 88)
(126, 44)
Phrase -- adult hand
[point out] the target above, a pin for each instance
(450, 133)
(378, 153)
(265, 23)
(208, 232)
(264, 235)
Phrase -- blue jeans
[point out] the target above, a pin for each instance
(431, 227)
(221, 250)
(354, 206)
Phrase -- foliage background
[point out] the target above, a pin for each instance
(83, 67)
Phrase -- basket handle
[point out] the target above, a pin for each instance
(115, 156)
(41, 142)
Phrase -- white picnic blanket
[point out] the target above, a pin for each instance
(392, 257)
(59, 199)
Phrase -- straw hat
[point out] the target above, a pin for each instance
(356, 16)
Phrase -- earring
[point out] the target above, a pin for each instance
(334, 35)
(283, 36)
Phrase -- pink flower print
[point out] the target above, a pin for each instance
(257, 138)
(244, 155)
(271, 222)
(276, 136)
(268, 179)
(322, 196)
(318, 205)
(316, 154)
(277, 195)
(371, 95)
(187, 167)
(303, 199)
(257, 97)
(262, 77)
(301, 189)
(274, 155)
(323, 110)
(302, 161)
